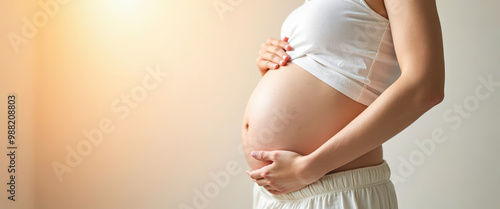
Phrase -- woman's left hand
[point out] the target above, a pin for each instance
(288, 171)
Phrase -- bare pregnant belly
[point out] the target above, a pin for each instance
(290, 109)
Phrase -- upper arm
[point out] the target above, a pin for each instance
(417, 38)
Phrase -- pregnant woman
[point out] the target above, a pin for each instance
(346, 76)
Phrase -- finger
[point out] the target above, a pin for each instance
(275, 192)
(255, 175)
(262, 182)
(287, 46)
(267, 187)
(262, 67)
(264, 155)
(263, 64)
(261, 173)
(278, 51)
(274, 59)
(249, 173)
(271, 188)
(281, 43)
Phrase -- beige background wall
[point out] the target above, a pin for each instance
(139, 104)
(18, 78)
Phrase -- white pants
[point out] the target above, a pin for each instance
(361, 188)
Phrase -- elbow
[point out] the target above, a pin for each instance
(423, 95)
(435, 98)
(427, 99)
(425, 91)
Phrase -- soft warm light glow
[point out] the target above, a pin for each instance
(125, 6)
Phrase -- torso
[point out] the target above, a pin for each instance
(290, 109)
(377, 6)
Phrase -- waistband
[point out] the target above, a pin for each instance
(336, 182)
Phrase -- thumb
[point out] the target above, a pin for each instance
(261, 155)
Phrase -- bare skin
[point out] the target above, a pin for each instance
(290, 109)
(326, 131)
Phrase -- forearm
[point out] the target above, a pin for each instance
(394, 110)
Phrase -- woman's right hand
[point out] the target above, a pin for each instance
(272, 54)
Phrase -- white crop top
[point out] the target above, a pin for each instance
(345, 44)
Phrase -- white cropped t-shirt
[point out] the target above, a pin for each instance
(345, 44)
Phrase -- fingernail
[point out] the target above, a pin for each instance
(288, 47)
(275, 65)
(286, 58)
(254, 154)
(285, 39)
